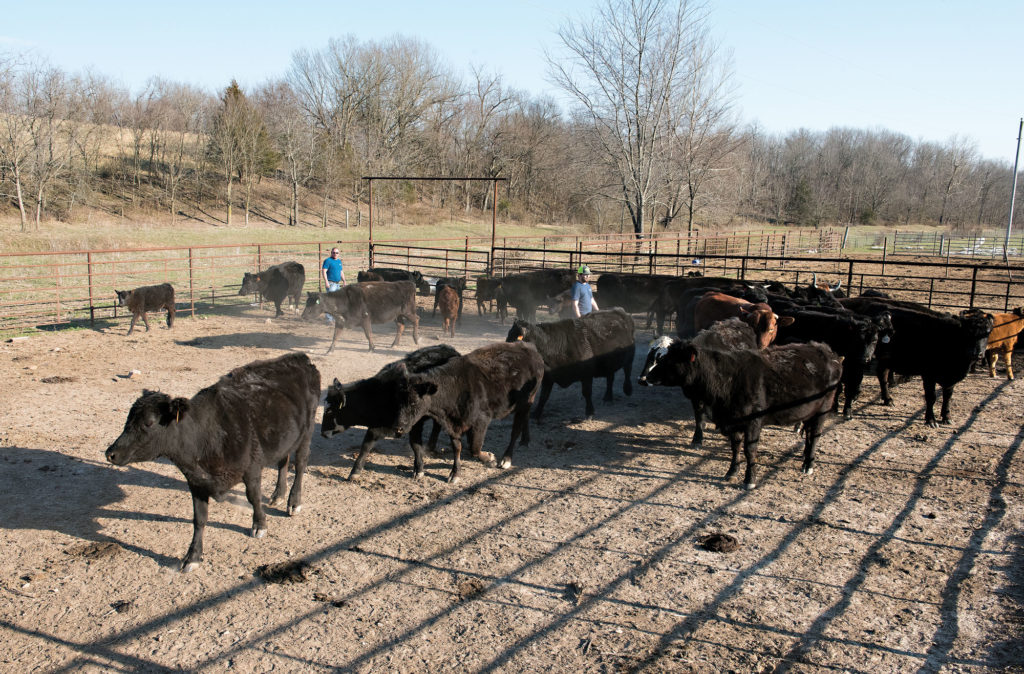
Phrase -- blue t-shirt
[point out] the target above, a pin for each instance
(582, 293)
(333, 267)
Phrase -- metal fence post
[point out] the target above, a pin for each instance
(974, 285)
(88, 266)
(191, 286)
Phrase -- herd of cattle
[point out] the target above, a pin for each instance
(750, 353)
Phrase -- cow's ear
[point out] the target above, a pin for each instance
(785, 320)
(173, 410)
(336, 384)
(689, 353)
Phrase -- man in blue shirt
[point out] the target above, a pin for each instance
(583, 301)
(333, 274)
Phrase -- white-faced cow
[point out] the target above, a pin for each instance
(257, 415)
(277, 283)
(365, 304)
(147, 298)
(748, 388)
(725, 335)
(577, 350)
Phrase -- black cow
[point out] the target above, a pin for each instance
(528, 290)
(367, 303)
(256, 415)
(747, 388)
(850, 335)
(456, 283)
(633, 292)
(379, 402)
(724, 336)
(939, 347)
(277, 283)
(147, 298)
(577, 350)
(466, 393)
(390, 274)
(364, 276)
(488, 289)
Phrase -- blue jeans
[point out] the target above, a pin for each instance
(331, 287)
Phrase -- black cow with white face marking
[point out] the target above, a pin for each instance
(725, 335)
(257, 415)
(748, 388)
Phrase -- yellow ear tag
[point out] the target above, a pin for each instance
(177, 416)
(519, 338)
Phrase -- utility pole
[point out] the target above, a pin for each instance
(1013, 193)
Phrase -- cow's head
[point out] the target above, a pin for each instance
(562, 304)
(250, 283)
(122, 297)
(977, 325)
(764, 321)
(520, 331)
(669, 361)
(143, 437)
(655, 352)
(333, 404)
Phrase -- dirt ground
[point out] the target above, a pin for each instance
(902, 552)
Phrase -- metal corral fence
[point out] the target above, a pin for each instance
(937, 244)
(77, 287)
(939, 284)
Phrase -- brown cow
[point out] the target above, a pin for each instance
(1002, 339)
(714, 307)
(367, 303)
(448, 303)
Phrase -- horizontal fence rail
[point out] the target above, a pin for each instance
(71, 288)
(937, 284)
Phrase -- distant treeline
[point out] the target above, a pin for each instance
(295, 148)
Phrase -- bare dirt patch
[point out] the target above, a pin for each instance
(902, 552)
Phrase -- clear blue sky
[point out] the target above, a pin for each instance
(928, 69)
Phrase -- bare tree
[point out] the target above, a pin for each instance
(293, 136)
(15, 141)
(625, 68)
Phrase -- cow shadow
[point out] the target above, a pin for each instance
(262, 340)
(49, 491)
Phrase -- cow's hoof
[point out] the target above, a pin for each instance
(808, 470)
(487, 459)
(453, 479)
(847, 416)
(259, 533)
(888, 403)
(730, 474)
(932, 424)
(419, 474)
(697, 444)
(506, 463)
(188, 567)
(945, 422)
(276, 502)
(294, 510)
(750, 485)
